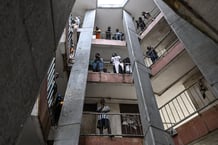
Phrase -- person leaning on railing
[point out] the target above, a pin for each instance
(98, 64)
(103, 120)
(152, 54)
(108, 33)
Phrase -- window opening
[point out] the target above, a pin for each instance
(111, 3)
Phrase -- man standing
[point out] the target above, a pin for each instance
(152, 54)
(103, 121)
(115, 59)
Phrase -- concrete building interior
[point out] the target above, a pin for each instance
(152, 63)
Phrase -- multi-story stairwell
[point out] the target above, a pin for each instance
(170, 120)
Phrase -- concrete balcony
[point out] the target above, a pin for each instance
(202, 129)
(110, 85)
(151, 26)
(102, 77)
(106, 42)
(167, 58)
(97, 140)
(171, 68)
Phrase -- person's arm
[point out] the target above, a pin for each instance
(102, 60)
(106, 109)
(148, 54)
(99, 109)
(112, 60)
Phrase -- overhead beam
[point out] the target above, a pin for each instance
(186, 12)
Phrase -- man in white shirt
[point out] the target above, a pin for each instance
(115, 59)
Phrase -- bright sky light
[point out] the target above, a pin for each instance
(111, 3)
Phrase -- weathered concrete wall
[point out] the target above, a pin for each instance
(29, 34)
(207, 10)
(110, 77)
(31, 133)
(96, 140)
(198, 127)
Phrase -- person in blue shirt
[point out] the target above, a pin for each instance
(98, 64)
(152, 54)
(117, 35)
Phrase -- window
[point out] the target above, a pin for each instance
(111, 3)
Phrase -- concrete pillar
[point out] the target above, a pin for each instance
(150, 117)
(202, 50)
(68, 130)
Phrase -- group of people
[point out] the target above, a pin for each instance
(119, 66)
(140, 23)
(116, 36)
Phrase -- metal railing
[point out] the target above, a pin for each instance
(121, 124)
(185, 105)
(51, 82)
(154, 13)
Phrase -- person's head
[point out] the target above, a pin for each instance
(56, 75)
(97, 55)
(117, 30)
(102, 101)
(114, 54)
(149, 47)
(109, 28)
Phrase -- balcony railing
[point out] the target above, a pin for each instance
(121, 124)
(186, 104)
(153, 15)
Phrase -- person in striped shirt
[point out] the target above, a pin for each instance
(103, 120)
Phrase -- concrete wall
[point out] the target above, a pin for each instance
(29, 34)
(198, 127)
(31, 133)
(95, 140)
